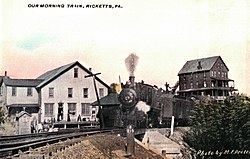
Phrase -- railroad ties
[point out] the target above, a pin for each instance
(49, 150)
(40, 145)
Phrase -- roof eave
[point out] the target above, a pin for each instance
(65, 70)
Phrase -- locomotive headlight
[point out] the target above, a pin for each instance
(128, 98)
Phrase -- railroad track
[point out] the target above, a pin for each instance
(12, 138)
(12, 145)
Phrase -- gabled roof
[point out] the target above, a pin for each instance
(53, 74)
(206, 65)
(22, 113)
(22, 82)
(109, 100)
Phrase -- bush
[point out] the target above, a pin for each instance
(221, 130)
(3, 115)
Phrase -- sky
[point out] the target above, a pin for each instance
(164, 34)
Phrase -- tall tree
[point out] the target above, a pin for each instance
(221, 127)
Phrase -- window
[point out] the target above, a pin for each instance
(86, 109)
(196, 76)
(70, 92)
(184, 86)
(191, 85)
(215, 73)
(197, 84)
(205, 84)
(51, 92)
(13, 91)
(29, 91)
(222, 74)
(75, 72)
(184, 77)
(49, 109)
(85, 92)
(72, 108)
(212, 73)
(226, 84)
(101, 92)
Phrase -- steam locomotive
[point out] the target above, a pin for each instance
(163, 105)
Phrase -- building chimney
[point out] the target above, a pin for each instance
(5, 73)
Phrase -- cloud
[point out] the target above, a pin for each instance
(35, 41)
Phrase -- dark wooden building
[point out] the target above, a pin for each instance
(205, 77)
(110, 109)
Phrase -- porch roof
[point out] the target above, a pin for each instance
(22, 105)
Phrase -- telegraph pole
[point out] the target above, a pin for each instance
(98, 100)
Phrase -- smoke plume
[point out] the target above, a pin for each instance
(143, 106)
(131, 62)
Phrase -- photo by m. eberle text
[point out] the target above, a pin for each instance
(222, 152)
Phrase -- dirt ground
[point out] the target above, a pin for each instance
(105, 146)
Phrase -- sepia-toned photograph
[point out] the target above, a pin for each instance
(124, 79)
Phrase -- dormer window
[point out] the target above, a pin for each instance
(199, 65)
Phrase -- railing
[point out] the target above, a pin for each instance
(219, 98)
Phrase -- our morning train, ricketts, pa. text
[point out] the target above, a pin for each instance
(88, 6)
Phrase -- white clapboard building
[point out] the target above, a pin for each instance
(62, 94)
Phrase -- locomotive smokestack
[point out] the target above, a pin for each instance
(132, 79)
